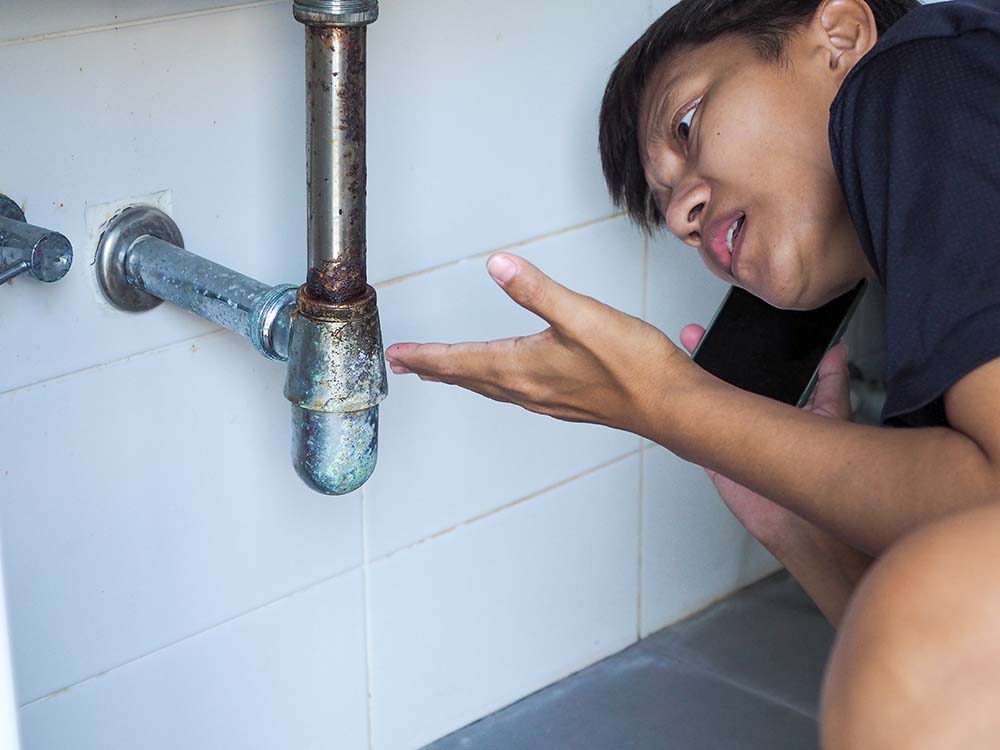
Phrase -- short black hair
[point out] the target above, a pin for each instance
(766, 24)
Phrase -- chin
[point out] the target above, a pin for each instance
(802, 298)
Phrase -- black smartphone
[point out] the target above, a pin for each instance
(769, 351)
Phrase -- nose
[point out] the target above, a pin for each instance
(684, 215)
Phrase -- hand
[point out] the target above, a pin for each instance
(767, 521)
(593, 364)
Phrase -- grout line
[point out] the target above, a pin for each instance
(115, 362)
(504, 248)
(742, 686)
(365, 578)
(196, 634)
(137, 22)
(642, 541)
(508, 506)
(642, 445)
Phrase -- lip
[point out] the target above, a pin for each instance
(716, 234)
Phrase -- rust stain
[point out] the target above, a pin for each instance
(362, 305)
(339, 282)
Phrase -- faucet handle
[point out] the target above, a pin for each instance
(24, 248)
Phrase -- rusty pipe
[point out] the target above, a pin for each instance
(337, 179)
(329, 333)
(336, 373)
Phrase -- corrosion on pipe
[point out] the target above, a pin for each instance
(337, 171)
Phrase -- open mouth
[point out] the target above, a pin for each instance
(734, 232)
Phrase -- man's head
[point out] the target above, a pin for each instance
(721, 110)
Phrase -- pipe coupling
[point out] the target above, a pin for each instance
(335, 12)
(336, 380)
(266, 321)
(336, 362)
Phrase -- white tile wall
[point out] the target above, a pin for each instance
(290, 675)
(171, 582)
(21, 18)
(693, 549)
(152, 498)
(499, 608)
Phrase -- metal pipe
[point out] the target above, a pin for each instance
(24, 248)
(336, 373)
(214, 292)
(142, 262)
(337, 176)
(330, 332)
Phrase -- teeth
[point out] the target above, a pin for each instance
(732, 234)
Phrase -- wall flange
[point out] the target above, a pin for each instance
(123, 231)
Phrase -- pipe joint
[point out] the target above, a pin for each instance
(336, 380)
(270, 322)
(335, 12)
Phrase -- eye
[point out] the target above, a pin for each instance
(683, 127)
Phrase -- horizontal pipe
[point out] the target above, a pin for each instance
(47, 254)
(211, 291)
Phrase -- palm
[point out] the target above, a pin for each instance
(764, 519)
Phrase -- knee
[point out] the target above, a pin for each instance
(916, 663)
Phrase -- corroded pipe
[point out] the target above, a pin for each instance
(337, 179)
(141, 262)
(328, 330)
(336, 375)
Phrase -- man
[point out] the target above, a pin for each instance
(800, 146)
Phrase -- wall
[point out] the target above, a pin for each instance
(171, 582)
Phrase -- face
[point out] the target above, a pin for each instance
(724, 135)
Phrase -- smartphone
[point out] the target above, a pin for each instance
(773, 352)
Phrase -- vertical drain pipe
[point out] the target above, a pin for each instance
(336, 375)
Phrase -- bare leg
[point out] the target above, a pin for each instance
(917, 660)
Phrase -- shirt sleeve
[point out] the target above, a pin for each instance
(918, 131)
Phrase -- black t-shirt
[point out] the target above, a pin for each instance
(915, 138)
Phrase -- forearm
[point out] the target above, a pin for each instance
(865, 484)
(828, 569)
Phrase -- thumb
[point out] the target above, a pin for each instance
(691, 336)
(833, 389)
(532, 289)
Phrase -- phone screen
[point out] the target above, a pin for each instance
(769, 351)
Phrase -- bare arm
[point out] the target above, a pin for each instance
(863, 484)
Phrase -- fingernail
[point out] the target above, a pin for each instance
(501, 268)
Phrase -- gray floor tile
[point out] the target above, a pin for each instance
(768, 638)
(639, 700)
(743, 675)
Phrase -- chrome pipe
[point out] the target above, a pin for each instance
(142, 262)
(27, 249)
(211, 291)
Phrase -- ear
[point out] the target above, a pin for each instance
(846, 30)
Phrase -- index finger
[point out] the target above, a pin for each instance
(454, 362)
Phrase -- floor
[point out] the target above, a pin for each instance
(744, 674)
